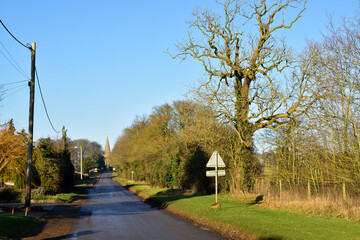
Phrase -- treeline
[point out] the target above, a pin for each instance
(51, 169)
(323, 146)
(92, 153)
(53, 160)
(302, 108)
(170, 148)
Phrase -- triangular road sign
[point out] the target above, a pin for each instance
(212, 161)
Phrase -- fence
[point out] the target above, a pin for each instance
(306, 189)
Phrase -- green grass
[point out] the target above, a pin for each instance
(66, 197)
(250, 219)
(15, 226)
(79, 188)
(92, 179)
(265, 223)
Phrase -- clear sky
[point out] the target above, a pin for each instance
(101, 63)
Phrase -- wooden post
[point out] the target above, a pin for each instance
(344, 191)
(31, 128)
(81, 164)
(309, 190)
(216, 179)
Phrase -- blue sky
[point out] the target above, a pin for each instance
(101, 63)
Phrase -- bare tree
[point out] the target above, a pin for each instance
(246, 62)
(338, 110)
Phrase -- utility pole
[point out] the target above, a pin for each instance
(31, 127)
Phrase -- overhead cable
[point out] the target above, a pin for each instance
(42, 97)
(22, 73)
(11, 83)
(28, 47)
(18, 66)
(16, 91)
(9, 89)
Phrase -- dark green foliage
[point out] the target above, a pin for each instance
(17, 182)
(166, 174)
(35, 178)
(173, 176)
(194, 172)
(100, 162)
(92, 153)
(55, 170)
(156, 178)
(88, 164)
(47, 165)
(249, 168)
(67, 172)
(9, 195)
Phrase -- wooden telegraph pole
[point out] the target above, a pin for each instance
(31, 127)
(81, 165)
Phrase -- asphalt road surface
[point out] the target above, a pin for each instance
(111, 212)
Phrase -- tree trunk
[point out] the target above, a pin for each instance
(244, 171)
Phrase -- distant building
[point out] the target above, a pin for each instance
(107, 153)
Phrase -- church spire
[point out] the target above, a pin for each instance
(107, 153)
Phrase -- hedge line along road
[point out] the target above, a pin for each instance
(112, 212)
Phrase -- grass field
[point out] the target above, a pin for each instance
(15, 226)
(238, 219)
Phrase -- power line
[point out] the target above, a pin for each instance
(28, 47)
(47, 114)
(9, 89)
(18, 90)
(24, 74)
(5, 92)
(11, 83)
(22, 71)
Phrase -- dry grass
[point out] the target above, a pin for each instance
(330, 203)
(323, 205)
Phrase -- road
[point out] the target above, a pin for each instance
(112, 212)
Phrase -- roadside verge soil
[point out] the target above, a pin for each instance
(58, 221)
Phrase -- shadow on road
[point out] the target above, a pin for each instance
(78, 234)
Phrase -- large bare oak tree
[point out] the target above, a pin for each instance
(254, 81)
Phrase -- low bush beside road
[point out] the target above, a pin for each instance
(245, 219)
(39, 195)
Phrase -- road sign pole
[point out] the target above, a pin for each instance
(216, 179)
(215, 161)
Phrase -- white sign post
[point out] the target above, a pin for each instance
(215, 162)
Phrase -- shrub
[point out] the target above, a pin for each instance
(9, 195)
(38, 192)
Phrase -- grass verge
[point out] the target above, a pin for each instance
(80, 188)
(243, 220)
(38, 195)
(15, 226)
